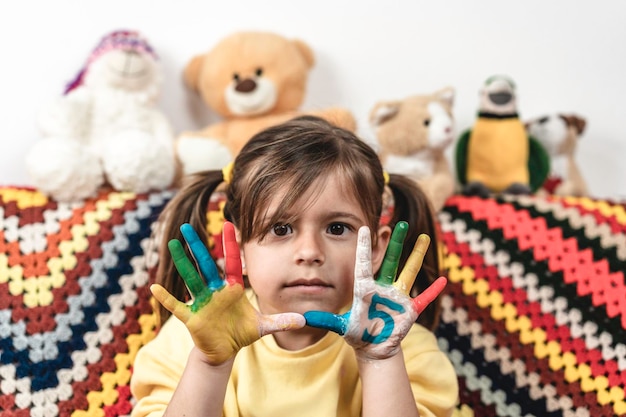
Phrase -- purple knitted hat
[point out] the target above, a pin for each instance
(120, 39)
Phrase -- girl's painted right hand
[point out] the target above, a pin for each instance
(382, 311)
(220, 319)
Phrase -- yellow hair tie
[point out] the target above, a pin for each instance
(386, 177)
(227, 172)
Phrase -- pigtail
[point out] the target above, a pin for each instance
(413, 206)
(189, 205)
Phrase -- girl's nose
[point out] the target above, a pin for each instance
(309, 249)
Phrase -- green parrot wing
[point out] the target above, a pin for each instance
(461, 156)
(538, 163)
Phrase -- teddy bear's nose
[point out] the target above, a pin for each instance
(246, 86)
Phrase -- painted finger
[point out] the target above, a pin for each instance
(280, 323)
(205, 263)
(170, 302)
(363, 264)
(329, 321)
(389, 267)
(422, 300)
(186, 268)
(413, 264)
(232, 255)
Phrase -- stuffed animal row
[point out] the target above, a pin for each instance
(106, 129)
(499, 154)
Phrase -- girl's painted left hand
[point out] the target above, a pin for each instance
(220, 319)
(382, 312)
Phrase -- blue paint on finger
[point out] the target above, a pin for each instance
(201, 254)
(337, 323)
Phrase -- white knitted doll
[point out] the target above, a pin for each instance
(106, 128)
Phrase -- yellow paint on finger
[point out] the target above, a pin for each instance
(413, 264)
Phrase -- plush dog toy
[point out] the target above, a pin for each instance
(412, 135)
(106, 127)
(559, 134)
(497, 155)
(253, 80)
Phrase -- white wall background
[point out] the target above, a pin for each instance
(565, 56)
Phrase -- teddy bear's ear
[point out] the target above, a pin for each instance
(192, 72)
(446, 95)
(306, 51)
(382, 112)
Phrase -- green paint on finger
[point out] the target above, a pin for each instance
(186, 268)
(389, 267)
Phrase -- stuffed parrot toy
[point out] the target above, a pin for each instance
(497, 155)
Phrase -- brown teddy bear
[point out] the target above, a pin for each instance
(412, 135)
(253, 80)
(559, 134)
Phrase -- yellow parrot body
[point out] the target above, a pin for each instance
(497, 153)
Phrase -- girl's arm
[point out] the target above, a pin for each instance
(220, 321)
(201, 389)
(386, 387)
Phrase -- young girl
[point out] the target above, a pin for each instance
(302, 198)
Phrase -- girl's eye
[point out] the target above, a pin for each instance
(281, 229)
(337, 229)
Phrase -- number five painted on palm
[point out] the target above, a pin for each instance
(374, 313)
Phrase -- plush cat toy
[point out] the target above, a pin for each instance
(559, 134)
(412, 135)
(497, 155)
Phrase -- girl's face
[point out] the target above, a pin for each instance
(308, 263)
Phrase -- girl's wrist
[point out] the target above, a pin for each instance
(199, 357)
(363, 357)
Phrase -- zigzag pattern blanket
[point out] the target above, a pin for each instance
(74, 301)
(534, 315)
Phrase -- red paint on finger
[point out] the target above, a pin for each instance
(422, 300)
(232, 256)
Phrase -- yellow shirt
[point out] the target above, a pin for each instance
(318, 381)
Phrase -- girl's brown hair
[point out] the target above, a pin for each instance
(296, 154)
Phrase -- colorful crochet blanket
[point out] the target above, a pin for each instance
(74, 301)
(534, 315)
(534, 319)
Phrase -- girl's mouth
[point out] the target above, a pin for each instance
(314, 282)
(309, 286)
